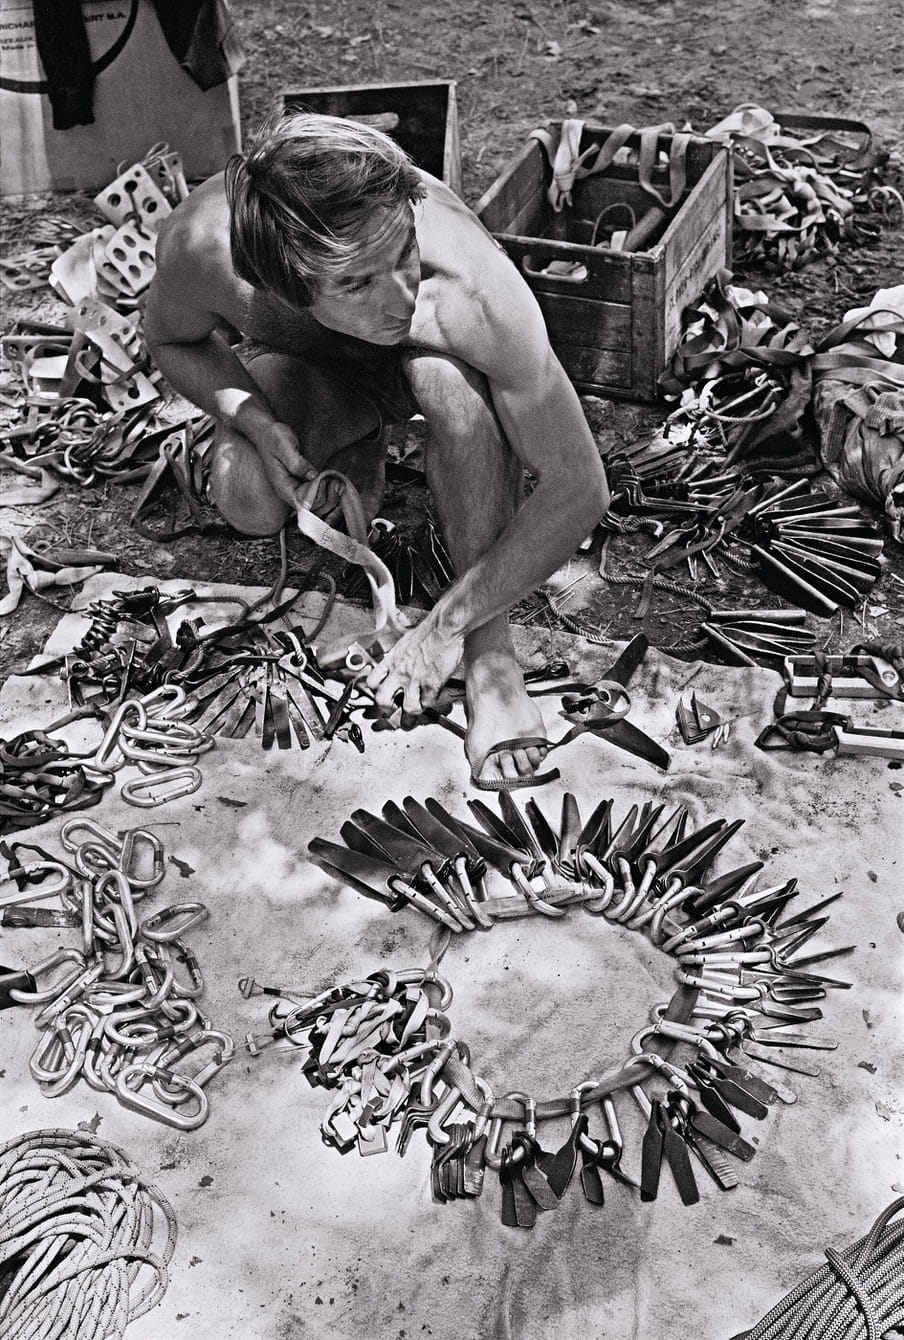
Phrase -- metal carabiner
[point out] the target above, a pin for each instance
(74, 1052)
(436, 1131)
(685, 1032)
(97, 831)
(673, 1073)
(28, 893)
(154, 761)
(592, 1147)
(425, 978)
(141, 883)
(95, 858)
(139, 1101)
(121, 943)
(170, 711)
(160, 787)
(492, 1156)
(36, 997)
(76, 986)
(104, 756)
(196, 1041)
(114, 887)
(587, 861)
(605, 1154)
(169, 923)
(180, 953)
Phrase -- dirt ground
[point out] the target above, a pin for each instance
(517, 64)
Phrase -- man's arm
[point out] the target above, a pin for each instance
(184, 341)
(541, 416)
(544, 424)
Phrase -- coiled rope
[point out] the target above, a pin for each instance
(77, 1232)
(859, 1295)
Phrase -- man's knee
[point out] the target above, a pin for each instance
(239, 489)
(455, 398)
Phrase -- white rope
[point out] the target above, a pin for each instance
(78, 1225)
(859, 1295)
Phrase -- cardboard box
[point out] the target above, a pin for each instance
(142, 96)
(615, 319)
(425, 114)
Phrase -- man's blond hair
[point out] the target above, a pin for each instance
(300, 195)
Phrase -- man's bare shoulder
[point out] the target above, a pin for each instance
(193, 245)
(476, 303)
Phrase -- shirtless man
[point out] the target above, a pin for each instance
(371, 293)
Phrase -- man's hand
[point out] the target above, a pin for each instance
(416, 668)
(281, 457)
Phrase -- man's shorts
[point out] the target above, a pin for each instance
(374, 372)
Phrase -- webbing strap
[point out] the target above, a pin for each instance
(569, 164)
(352, 548)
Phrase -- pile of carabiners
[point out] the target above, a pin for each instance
(148, 733)
(122, 1013)
(40, 776)
(384, 1045)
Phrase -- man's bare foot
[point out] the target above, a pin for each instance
(499, 709)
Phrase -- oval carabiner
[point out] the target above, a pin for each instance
(170, 923)
(140, 1101)
(28, 893)
(159, 787)
(74, 1051)
(679, 1033)
(195, 1042)
(115, 888)
(194, 987)
(141, 883)
(97, 831)
(106, 754)
(158, 708)
(40, 997)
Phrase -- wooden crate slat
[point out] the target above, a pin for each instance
(705, 203)
(591, 368)
(647, 326)
(604, 325)
(427, 111)
(523, 181)
(701, 262)
(607, 279)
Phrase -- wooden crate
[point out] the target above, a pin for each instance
(617, 323)
(426, 115)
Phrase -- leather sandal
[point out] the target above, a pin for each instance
(513, 783)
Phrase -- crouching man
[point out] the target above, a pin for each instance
(367, 292)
